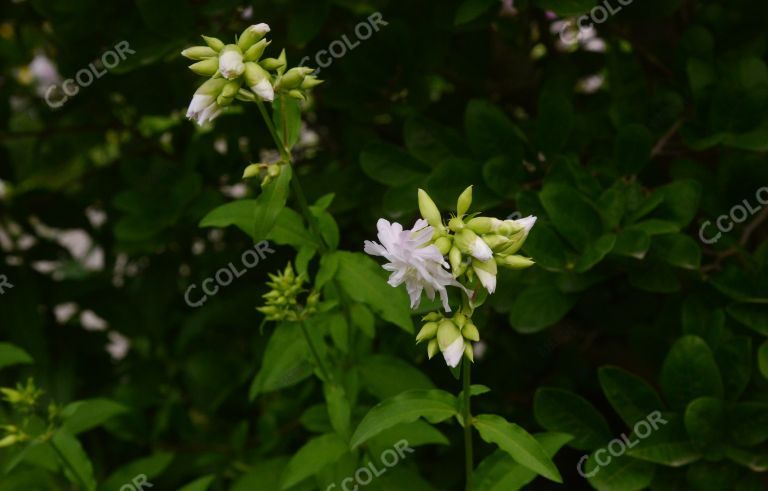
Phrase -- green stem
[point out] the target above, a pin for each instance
(320, 364)
(468, 459)
(298, 191)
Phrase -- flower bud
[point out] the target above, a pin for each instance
(228, 93)
(451, 343)
(459, 319)
(206, 68)
(486, 272)
(199, 53)
(9, 440)
(432, 348)
(455, 224)
(469, 353)
(231, 63)
(294, 77)
(258, 80)
(251, 171)
(278, 63)
(432, 316)
(429, 210)
(513, 244)
(296, 94)
(252, 35)
(427, 332)
(214, 43)
(310, 82)
(515, 262)
(254, 52)
(495, 241)
(274, 170)
(469, 243)
(443, 244)
(484, 225)
(469, 331)
(464, 202)
(457, 265)
(211, 87)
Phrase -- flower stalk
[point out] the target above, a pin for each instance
(468, 455)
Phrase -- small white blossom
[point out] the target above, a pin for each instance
(480, 250)
(454, 352)
(411, 261)
(203, 108)
(231, 64)
(527, 223)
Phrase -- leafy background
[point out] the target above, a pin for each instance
(621, 152)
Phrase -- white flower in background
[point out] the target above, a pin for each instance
(231, 63)
(420, 266)
(118, 345)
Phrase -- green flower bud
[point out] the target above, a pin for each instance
(274, 170)
(459, 319)
(252, 171)
(294, 77)
(252, 35)
(297, 94)
(444, 244)
(515, 262)
(454, 257)
(206, 68)
(469, 331)
(428, 331)
(464, 202)
(513, 244)
(432, 316)
(278, 63)
(199, 53)
(214, 43)
(429, 210)
(254, 52)
(432, 348)
(484, 225)
(447, 333)
(310, 82)
(495, 241)
(211, 87)
(469, 353)
(9, 440)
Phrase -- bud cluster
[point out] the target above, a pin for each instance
(477, 245)
(238, 71)
(453, 336)
(267, 172)
(283, 301)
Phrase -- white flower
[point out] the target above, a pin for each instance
(412, 261)
(486, 273)
(454, 352)
(231, 64)
(203, 108)
(480, 250)
(260, 29)
(264, 90)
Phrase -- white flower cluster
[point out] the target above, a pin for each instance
(474, 248)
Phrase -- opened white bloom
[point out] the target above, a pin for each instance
(412, 261)
(231, 62)
(204, 107)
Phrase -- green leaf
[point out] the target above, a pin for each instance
(554, 122)
(565, 412)
(573, 216)
(678, 250)
(499, 472)
(471, 9)
(689, 372)
(147, 467)
(285, 361)
(488, 129)
(239, 213)
(13, 355)
(76, 462)
(385, 376)
(312, 458)
(622, 473)
(201, 484)
(538, 307)
(286, 117)
(748, 423)
(432, 405)
(417, 433)
(339, 409)
(681, 201)
(390, 165)
(630, 396)
(668, 445)
(270, 202)
(262, 475)
(632, 243)
(363, 281)
(595, 252)
(518, 443)
(754, 316)
(762, 359)
(705, 422)
(83, 415)
(430, 142)
(290, 230)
